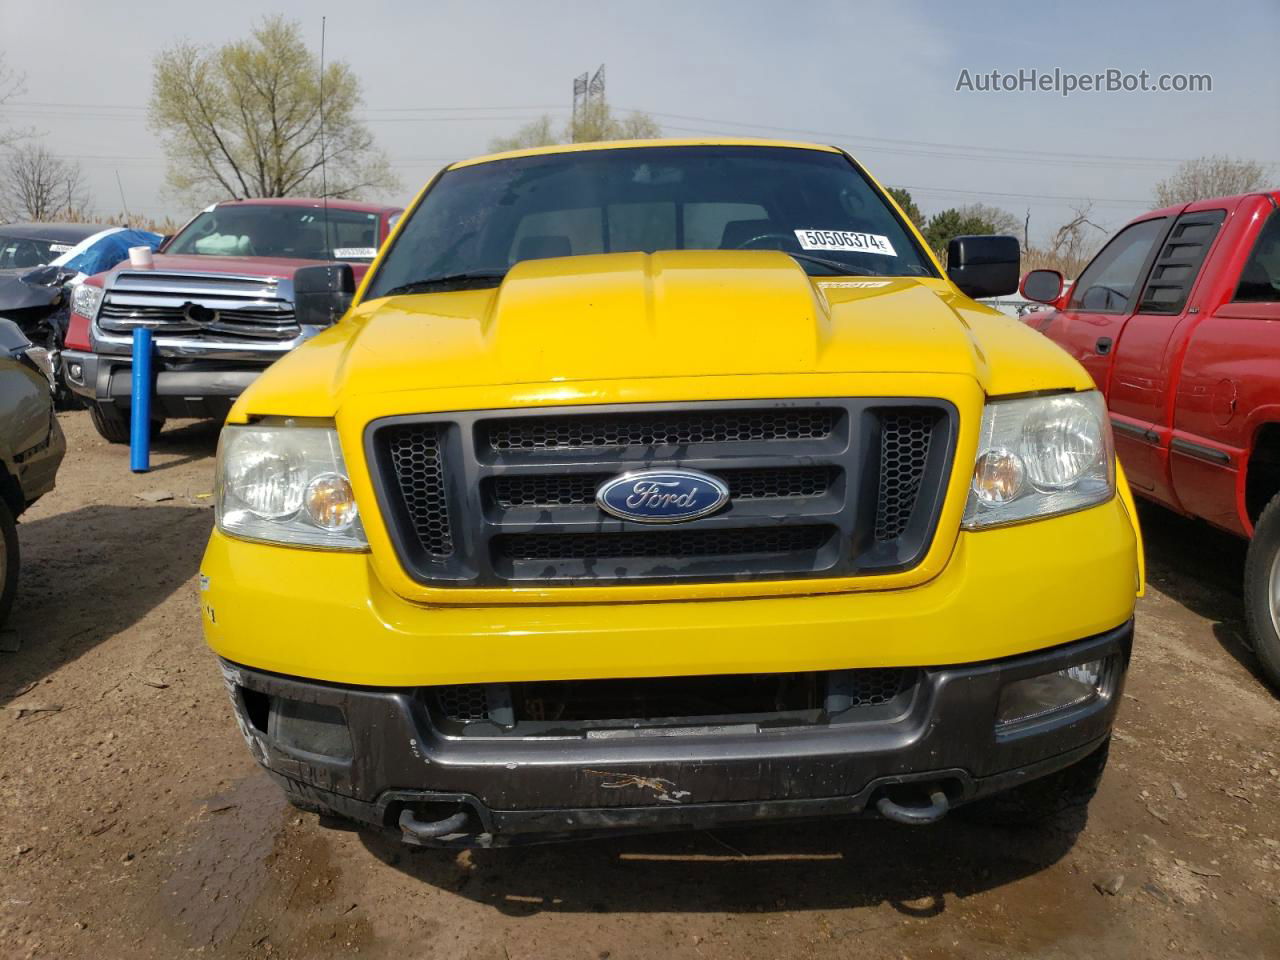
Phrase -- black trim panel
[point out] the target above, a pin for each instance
(1200, 451)
(1144, 434)
(481, 526)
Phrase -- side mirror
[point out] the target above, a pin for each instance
(983, 266)
(322, 294)
(1043, 286)
(164, 242)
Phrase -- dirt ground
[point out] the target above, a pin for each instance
(134, 824)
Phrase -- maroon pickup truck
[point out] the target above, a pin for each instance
(239, 286)
(1178, 320)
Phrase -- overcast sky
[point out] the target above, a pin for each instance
(442, 78)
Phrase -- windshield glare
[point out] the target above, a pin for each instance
(268, 230)
(487, 217)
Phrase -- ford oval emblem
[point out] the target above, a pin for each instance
(662, 496)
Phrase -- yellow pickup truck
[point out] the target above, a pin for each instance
(667, 484)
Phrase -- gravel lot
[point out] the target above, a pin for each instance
(133, 823)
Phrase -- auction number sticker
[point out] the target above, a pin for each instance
(355, 253)
(852, 241)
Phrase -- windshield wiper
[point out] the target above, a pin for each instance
(478, 278)
(837, 265)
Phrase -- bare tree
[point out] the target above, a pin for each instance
(38, 185)
(244, 120)
(596, 121)
(1210, 176)
(11, 85)
(1072, 246)
(535, 133)
(1001, 221)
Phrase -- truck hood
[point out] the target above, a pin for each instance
(670, 314)
(241, 266)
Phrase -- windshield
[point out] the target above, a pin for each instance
(482, 219)
(276, 230)
(19, 252)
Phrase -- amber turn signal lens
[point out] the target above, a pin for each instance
(330, 502)
(998, 477)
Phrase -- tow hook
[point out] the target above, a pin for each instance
(431, 829)
(914, 816)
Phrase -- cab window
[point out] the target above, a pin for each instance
(1260, 278)
(1109, 283)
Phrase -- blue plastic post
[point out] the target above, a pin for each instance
(140, 421)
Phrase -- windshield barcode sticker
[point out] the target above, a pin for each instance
(851, 241)
(355, 253)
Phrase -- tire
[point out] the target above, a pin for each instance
(1262, 590)
(112, 423)
(1044, 799)
(8, 560)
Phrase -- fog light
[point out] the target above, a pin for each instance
(1051, 692)
(77, 372)
(310, 728)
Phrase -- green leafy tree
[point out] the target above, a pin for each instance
(596, 121)
(908, 205)
(244, 120)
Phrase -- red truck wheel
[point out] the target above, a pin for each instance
(1262, 590)
(112, 423)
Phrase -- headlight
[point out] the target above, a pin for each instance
(86, 299)
(1041, 456)
(40, 358)
(286, 484)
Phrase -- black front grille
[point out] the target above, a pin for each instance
(563, 490)
(419, 471)
(658, 430)
(829, 488)
(905, 437)
(686, 544)
(463, 702)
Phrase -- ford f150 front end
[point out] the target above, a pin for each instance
(669, 484)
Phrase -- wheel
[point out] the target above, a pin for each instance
(8, 560)
(112, 423)
(1069, 789)
(1262, 590)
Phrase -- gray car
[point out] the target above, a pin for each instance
(31, 444)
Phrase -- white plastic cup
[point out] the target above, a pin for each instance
(140, 257)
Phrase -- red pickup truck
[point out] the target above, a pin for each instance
(1178, 320)
(238, 287)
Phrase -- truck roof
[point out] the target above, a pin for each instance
(316, 202)
(64, 232)
(1206, 203)
(629, 144)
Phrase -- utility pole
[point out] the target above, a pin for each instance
(580, 85)
(588, 99)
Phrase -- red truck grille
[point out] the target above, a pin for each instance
(211, 307)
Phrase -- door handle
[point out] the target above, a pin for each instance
(1103, 346)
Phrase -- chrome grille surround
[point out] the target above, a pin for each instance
(196, 306)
